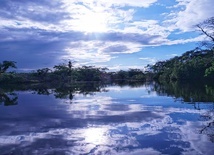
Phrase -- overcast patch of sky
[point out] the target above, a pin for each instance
(43, 33)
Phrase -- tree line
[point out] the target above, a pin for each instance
(194, 64)
(66, 73)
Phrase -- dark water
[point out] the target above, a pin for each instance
(120, 119)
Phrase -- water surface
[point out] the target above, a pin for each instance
(107, 119)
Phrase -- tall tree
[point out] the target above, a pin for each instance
(5, 65)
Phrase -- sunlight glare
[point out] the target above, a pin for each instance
(95, 136)
(93, 22)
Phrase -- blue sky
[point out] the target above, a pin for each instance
(118, 34)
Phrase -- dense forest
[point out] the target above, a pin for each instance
(195, 64)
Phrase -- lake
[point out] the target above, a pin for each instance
(122, 118)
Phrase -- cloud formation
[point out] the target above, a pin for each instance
(191, 13)
(34, 31)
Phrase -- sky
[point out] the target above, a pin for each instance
(117, 34)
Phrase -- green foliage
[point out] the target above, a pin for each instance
(130, 75)
(191, 65)
(9, 98)
(43, 71)
(5, 65)
(88, 73)
(209, 72)
(189, 91)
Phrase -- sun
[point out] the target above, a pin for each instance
(93, 22)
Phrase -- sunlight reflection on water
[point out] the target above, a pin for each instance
(95, 136)
(103, 123)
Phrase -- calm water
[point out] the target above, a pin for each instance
(92, 119)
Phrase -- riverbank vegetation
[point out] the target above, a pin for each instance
(65, 73)
(192, 65)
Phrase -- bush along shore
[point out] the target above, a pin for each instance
(192, 65)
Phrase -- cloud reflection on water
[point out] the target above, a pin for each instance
(98, 124)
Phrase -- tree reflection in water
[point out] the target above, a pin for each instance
(188, 93)
(208, 129)
(8, 99)
(196, 93)
(61, 91)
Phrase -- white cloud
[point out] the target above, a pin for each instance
(86, 52)
(194, 12)
(135, 3)
(92, 52)
(149, 60)
(125, 67)
(172, 55)
(147, 151)
(106, 14)
(183, 41)
(77, 21)
(152, 27)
